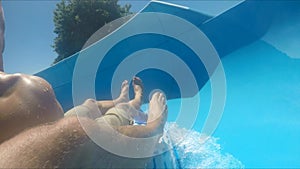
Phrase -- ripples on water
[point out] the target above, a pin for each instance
(191, 153)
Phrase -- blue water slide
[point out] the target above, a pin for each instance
(235, 28)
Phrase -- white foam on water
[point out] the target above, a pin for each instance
(191, 153)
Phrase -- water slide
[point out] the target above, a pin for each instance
(256, 43)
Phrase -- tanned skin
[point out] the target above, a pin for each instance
(66, 144)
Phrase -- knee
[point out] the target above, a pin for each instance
(87, 101)
(94, 107)
(45, 96)
(27, 108)
(91, 104)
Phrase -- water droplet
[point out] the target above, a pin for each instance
(46, 89)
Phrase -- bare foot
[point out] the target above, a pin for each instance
(124, 95)
(133, 107)
(138, 88)
(158, 112)
(138, 93)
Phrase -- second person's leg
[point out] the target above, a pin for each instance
(125, 113)
(94, 109)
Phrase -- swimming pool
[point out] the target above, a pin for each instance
(260, 124)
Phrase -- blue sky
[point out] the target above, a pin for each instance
(29, 30)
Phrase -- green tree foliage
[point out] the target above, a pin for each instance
(76, 20)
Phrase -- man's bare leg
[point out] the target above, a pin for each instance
(47, 146)
(133, 107)
(124, 113)
(157, 118)
(59, 144)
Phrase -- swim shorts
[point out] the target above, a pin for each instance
(116, 117)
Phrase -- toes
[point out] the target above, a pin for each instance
(162, 98)
(124, 87)
(125, 82)
(135, 78)
(155, 96)
(137, 81)
(159, 97)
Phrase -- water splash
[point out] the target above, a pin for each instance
(191, 153)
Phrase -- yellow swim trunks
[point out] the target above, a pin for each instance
(115, 117)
